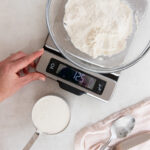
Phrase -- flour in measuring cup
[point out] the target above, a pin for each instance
(51, 115)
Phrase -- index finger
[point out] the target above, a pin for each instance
(27, 60)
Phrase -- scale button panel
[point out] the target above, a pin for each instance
(99, 86)
(52, 66)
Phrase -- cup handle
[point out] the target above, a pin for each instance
(31, 141)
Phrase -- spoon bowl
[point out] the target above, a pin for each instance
(122, 127)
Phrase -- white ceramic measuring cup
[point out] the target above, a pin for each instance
(50, 115)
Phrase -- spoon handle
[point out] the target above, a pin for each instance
(105, 145)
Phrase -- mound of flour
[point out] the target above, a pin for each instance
(98, 27)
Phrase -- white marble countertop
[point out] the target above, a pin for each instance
(22, 27)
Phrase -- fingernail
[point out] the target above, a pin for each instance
(42, 78)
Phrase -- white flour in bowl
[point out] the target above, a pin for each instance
(98, 27)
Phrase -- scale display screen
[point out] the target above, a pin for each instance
(75, 76)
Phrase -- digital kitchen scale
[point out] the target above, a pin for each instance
(73, 78)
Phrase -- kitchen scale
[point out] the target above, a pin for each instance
(72, 78)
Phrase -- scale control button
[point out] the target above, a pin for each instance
(99, 87)
(52, 66)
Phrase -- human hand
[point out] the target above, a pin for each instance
(10, 80)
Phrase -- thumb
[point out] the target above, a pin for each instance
(32, 77)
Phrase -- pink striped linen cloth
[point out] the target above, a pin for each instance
(94, 136)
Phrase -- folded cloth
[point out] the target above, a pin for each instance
(94, 136)
(138, 142)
